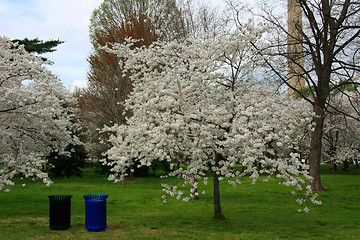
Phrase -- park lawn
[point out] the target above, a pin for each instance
(261, 211)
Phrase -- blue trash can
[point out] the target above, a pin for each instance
(95, 212)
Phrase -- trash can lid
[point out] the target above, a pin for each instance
(96, 197)
(59, 196)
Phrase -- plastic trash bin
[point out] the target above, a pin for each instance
(59, 211)
(95, 212)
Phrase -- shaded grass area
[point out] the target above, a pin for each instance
(261, 211)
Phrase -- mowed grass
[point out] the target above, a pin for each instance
(261, 211)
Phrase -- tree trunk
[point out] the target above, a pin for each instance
(195, 193)
(259, 166)
(346, 166)
(217, 207)
(132, 173)
(356, 163)
(123, 183)
(334, 168)
(315, 148)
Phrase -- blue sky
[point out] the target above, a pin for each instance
(67, 20)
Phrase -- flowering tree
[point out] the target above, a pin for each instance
(326, 36)
(341, 131)
(108, 87)
(189, 100)
(33, 118)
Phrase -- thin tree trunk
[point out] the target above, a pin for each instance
(123, 183)
(356, 163)
(195, 194)
(132, 173)
(315, 149)
(346, 166)
(259, 166)
(217, 207)
(334, 168)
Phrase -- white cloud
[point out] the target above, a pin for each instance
(77, 84)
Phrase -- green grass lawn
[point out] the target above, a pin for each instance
(261, 211)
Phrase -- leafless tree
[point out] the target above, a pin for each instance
(329, 34)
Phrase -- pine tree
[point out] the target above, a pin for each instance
(38, 46)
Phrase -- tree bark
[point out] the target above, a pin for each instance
(315, 148)
(334, 168)
(123, 183)
(217, 207)
(195, 195)
(346, 166)
(132, 173)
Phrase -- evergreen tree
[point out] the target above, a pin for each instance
(38, 46)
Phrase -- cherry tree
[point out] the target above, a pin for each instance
(341, 130)
(326, 39)
(34, 119)
(190, 99)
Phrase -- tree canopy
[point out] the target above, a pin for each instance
(101, 103)
(187, 103)
(33, 118)
(329, 38)
(38, 46)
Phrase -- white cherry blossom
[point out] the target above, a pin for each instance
(33, 116)
(188, 103)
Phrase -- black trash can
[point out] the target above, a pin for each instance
(95, 212)
(59, 211)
